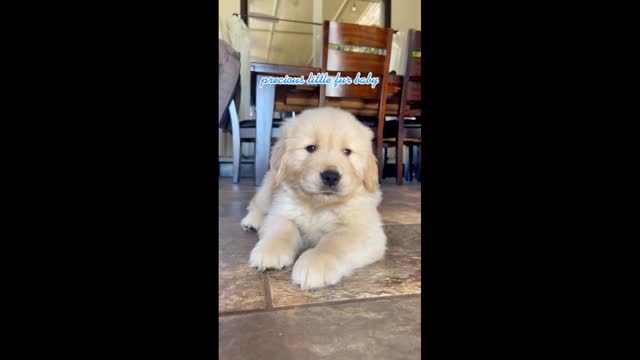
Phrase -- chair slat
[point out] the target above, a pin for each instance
(414, 91)
(358, 35)
(352, 61)
(415, 67)
(416, 41)
(353, 91)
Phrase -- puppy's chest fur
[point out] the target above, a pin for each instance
(313, 223)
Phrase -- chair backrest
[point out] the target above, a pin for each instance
(411, 97)
(348, 63)
(412, 84)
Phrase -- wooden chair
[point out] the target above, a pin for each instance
(348, 63)
(408, 132)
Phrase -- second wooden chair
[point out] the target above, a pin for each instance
(349, 49)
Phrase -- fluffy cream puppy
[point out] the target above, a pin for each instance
(321, 194)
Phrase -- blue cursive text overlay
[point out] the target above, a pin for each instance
(321, 79)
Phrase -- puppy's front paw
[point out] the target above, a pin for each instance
(266, 257)
(252, 221)
(315, 269)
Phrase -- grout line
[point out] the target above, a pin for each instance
(325, 303)
(267, 291)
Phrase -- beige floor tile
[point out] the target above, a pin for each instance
(242, 288)
(401, 207)
(398, 273)
(379, 329)
(239, 286)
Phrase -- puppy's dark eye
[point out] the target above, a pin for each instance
(311, 148)
(347, 152)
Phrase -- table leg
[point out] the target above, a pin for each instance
(265, 99)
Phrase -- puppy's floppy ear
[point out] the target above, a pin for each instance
(279, 154)
(371, 167)
(371, 173)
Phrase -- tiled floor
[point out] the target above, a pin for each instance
(372, 314)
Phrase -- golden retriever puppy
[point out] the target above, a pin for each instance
(322, 193)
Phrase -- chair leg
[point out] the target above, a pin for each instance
(235, 135)
(384, 159)
(412, 163)
(399, 161)
(417, 160)
(379, 156)
(407, 167)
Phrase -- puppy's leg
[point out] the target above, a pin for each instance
(278, 244)
(337, 254)
(259, 205)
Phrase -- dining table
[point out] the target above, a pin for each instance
(265, 102)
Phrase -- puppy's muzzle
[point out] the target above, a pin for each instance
(330, 177)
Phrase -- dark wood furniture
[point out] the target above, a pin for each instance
(349, 63)
(286, 98)
(409, 133)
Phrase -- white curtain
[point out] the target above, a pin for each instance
(236, 33)
(224, 140)
(398, 52)
(239, 37)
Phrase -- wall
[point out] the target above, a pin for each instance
(404, 15)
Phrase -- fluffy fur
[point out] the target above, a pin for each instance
(293, 210)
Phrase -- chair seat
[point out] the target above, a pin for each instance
(252, 123)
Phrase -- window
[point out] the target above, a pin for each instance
(289, 32)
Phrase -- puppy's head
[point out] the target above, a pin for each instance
(326, 154)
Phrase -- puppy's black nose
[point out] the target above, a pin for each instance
(330, 177)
